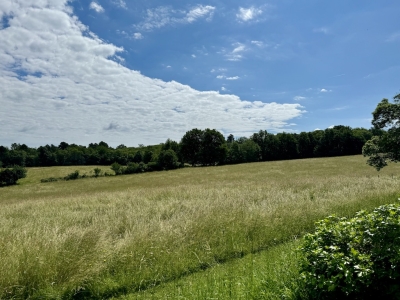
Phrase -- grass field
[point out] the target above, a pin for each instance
(167, 235)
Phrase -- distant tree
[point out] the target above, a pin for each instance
(147, 156)
(170, 144)
(230, 139)
(46, 156)
(4, 152)
(305, 145)
(103, 144)
(122, 146)
(205, 147)
(385, 148)
(262, 140)
(213, 150)
(191, 146)
(138, 157)
(16, 157)
(63, 145)
(250, 151)
(168, 160)
(11, 176)
(234, 155)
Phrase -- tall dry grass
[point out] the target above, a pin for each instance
(113, 235)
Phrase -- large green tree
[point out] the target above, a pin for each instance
(385, 148)
(203, 147)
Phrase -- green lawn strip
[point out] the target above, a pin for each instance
(269, 274)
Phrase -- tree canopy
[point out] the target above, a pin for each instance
(385, 147)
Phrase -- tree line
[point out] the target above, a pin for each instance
(197, 148)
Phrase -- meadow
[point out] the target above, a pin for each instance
(225, 232)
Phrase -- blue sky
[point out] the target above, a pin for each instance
(139, 72)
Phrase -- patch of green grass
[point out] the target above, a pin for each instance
(109, 236)
(270, 274)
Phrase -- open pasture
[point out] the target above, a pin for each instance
(110, 236)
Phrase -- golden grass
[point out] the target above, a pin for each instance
(111, 235)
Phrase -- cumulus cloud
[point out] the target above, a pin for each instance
(63, 84)
(97, 7)
(325, 91)
(247, 14)
(163, 16)
(137, 36)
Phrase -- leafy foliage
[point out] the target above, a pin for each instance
(206, 147)
(72, 176)
(386, 147)
(356, 258)
(11, 176)
(168, 160)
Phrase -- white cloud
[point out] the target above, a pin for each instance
(120, 3)
(323, 30)
(193, 55)
(218, 70)
(220, 77)
(325, 91)
(232, 78)
(97, 7)
(200, 12)
(299, 98)
(247, 14)
(223, 89)
(330, 127)
(258, 43)
(237, 53)
(137, 36)
(163, 16)
(64, 85)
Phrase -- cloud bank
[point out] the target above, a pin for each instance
(60, 82)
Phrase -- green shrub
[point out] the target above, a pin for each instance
(11, 176)
(168, 160)
(153, 166)
(356, 258)
(131, 168)
(97, 172)
(117, 168)
(72, 176)
(50, 179)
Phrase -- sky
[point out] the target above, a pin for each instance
(139, 72)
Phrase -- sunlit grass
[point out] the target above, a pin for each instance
(270, 274)
(109, 236)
